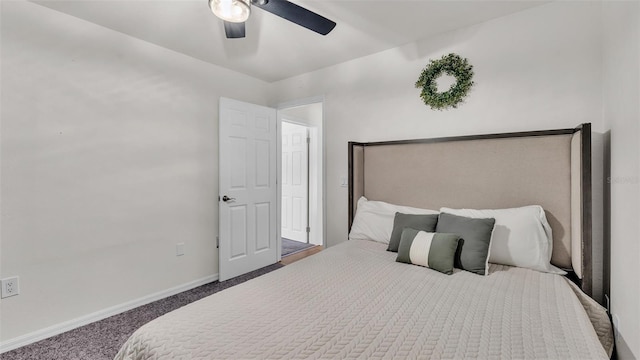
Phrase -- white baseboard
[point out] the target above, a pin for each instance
(99, 315)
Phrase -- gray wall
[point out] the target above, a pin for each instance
(109, 158)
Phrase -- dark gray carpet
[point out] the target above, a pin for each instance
(290, 247)
(102, 339)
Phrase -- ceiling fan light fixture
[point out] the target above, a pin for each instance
(236, 11)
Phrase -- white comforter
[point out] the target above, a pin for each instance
(354, 301)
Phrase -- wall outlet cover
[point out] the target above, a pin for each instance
(10, 287)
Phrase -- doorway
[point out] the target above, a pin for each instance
(302, 179)
(250, 183)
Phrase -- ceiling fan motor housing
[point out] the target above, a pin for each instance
(236, 12)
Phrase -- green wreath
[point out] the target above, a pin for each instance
(452, 65)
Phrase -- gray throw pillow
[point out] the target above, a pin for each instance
(419, 222)
(475, 239)
(433, 250)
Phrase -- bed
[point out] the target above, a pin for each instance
(354, 300)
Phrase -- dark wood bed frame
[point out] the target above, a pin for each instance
(586, 282)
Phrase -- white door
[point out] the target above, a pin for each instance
(248, 189)
(295, 182)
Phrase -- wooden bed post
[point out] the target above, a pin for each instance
(350, 180)
(586, 202)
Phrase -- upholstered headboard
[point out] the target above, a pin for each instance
(549, 168)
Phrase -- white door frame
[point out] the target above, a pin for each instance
(279, 107)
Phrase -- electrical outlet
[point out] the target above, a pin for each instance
(179, 249)
(10, 287)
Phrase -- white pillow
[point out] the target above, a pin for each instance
(374, 219)
(521, 236)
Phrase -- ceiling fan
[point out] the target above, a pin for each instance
(236, 12)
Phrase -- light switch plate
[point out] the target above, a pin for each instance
(179, 249)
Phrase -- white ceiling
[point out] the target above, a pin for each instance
(276, 49)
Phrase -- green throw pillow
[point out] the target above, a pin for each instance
(433, 250)
(419, 222)
(475, 239)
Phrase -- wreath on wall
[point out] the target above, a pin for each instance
(452, 65)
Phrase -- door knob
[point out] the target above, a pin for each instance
(226, 198)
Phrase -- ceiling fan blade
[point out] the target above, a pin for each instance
(234, 30)
(299, 15)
